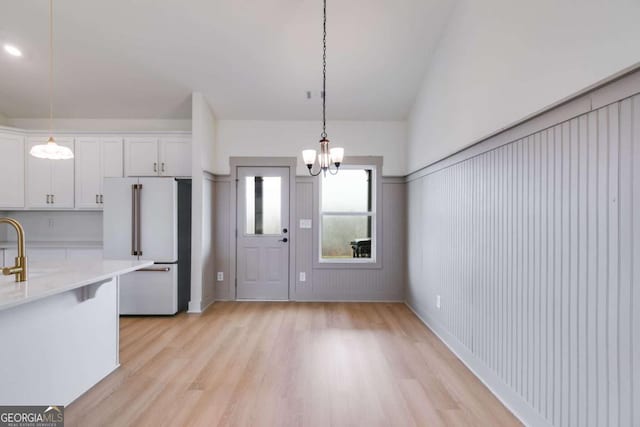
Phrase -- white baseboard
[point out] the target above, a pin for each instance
(511, 400)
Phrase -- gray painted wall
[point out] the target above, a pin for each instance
(322, 284)
(534, 249)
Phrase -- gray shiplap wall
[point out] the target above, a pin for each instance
(322, 284)
(534, 249)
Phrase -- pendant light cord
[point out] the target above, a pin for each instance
(51, 67)
(324, 73)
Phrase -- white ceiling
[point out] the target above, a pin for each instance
(252, 59)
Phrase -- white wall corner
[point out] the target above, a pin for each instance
(203, 146)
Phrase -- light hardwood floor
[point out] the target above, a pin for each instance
(287, 364)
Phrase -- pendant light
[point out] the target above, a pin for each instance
(327, 156)
(51, 150)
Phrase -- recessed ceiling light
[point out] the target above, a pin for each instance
(12, 50)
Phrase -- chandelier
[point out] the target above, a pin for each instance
(327, 156)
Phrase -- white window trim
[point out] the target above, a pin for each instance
(373, 214)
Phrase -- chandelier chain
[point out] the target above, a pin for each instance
(324, 73)
(50, 67)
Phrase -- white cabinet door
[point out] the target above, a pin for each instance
(88, 173)
(112, 158)
(141, 156)
(175, 156)
(11, 171)
(96, 159)
(38, 177)
(2, 262)
(62, 185)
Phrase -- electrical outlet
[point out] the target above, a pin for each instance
(438, 302)
(303, 276)
(220, 276)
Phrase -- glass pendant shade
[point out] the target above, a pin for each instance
(51, 151)
(337, 154)
(309, 156)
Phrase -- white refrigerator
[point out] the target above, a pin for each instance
(150, 219)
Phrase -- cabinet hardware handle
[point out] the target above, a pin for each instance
(162, 166)
(155, 167)
(156, 270)
(48, 199)
(53, 200)
(97, 199)
(102, 199)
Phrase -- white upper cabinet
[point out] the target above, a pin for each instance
(166, 156)
(11, 171)
(175, 156)
(141, 156)
(49, 182)
(96, 158)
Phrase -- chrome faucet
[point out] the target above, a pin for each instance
(20, 269)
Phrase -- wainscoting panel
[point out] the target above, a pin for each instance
(533, 250)
(344, 284)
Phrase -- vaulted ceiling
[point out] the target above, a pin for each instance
(252, 59)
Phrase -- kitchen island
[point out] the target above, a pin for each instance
(59, 330)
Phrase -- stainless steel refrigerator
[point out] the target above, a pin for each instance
(150, 219)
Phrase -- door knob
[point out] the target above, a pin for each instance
(285, 240)
(284, 230)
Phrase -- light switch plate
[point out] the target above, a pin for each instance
(220, 276)
(303, 276)
(305, 223)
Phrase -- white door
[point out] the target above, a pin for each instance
(159, 219)
(62, 186)
(263, 233)
(38, 177)
(88, 173)
(175, 156)
(11, 171)
(141, 156)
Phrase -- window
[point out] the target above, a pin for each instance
(263, 205)
(348, 215)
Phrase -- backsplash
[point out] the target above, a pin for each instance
(74, 226)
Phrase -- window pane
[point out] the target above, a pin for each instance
(346, 236)
(263, 204)
(348, 191)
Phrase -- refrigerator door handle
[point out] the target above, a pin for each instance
(134, 189)
(138, 225)
(156, 270)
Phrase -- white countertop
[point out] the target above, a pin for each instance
(53, 244)
(48, 279)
